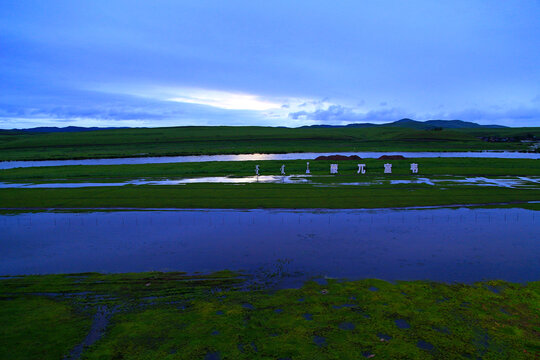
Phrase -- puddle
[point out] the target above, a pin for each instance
(212, 356)
(424, 345)
(443, 329)
(308, 316)
(402, 324)
(505, 312)
(344, 306)
(415, 181)
(384, 337)
(508, 182)
(292, 179)
(346, 326)
(361, 312)
(245, 347)
(99, 324)
(319, 341)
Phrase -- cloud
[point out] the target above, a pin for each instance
(92, 108)
(339, 113)
(223, 100)
(515, 116)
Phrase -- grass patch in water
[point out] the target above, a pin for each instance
(347, 169)
(250, 196)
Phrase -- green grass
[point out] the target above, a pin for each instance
(215, 195)
(178, 316)
(347, 169)
(236, 140)
(262, 196)
(39, 328)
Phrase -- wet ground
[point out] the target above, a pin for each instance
(507, 181)
(180, 316)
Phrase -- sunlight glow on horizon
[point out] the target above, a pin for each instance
(224, 100)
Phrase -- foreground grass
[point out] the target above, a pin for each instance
(178, 316)
(238, 140)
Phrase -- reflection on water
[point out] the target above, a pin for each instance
(510, 182)
(294, 179)
(246, 157)
(462, 245)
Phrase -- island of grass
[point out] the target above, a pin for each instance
(371, 190)
(226, 315)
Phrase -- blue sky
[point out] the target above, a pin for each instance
(278, 63)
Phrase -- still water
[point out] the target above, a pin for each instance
(247, 157)
(463, 245)
(508, 181)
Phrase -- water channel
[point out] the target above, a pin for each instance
(247, 157)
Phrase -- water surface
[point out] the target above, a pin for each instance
(246, 157)
(508, 181)
(463, 245)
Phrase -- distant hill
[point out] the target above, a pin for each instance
(421, 125)
(403, 123)
(55, 129)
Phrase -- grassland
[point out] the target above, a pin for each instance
(237, 140)
(321, 194)
(250, 196)
(180, 316)
(347, 169)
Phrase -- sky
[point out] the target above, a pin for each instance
(267, 63)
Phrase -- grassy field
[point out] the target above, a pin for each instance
(179, 316)
(250, 196)
(347, 169)
(321, 194)
(237, 140)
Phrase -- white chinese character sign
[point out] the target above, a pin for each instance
(257, 170)
(282, 169)
(307, 169)
(361, 169)
(414, 168)
(387, 168)
(333, 168)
